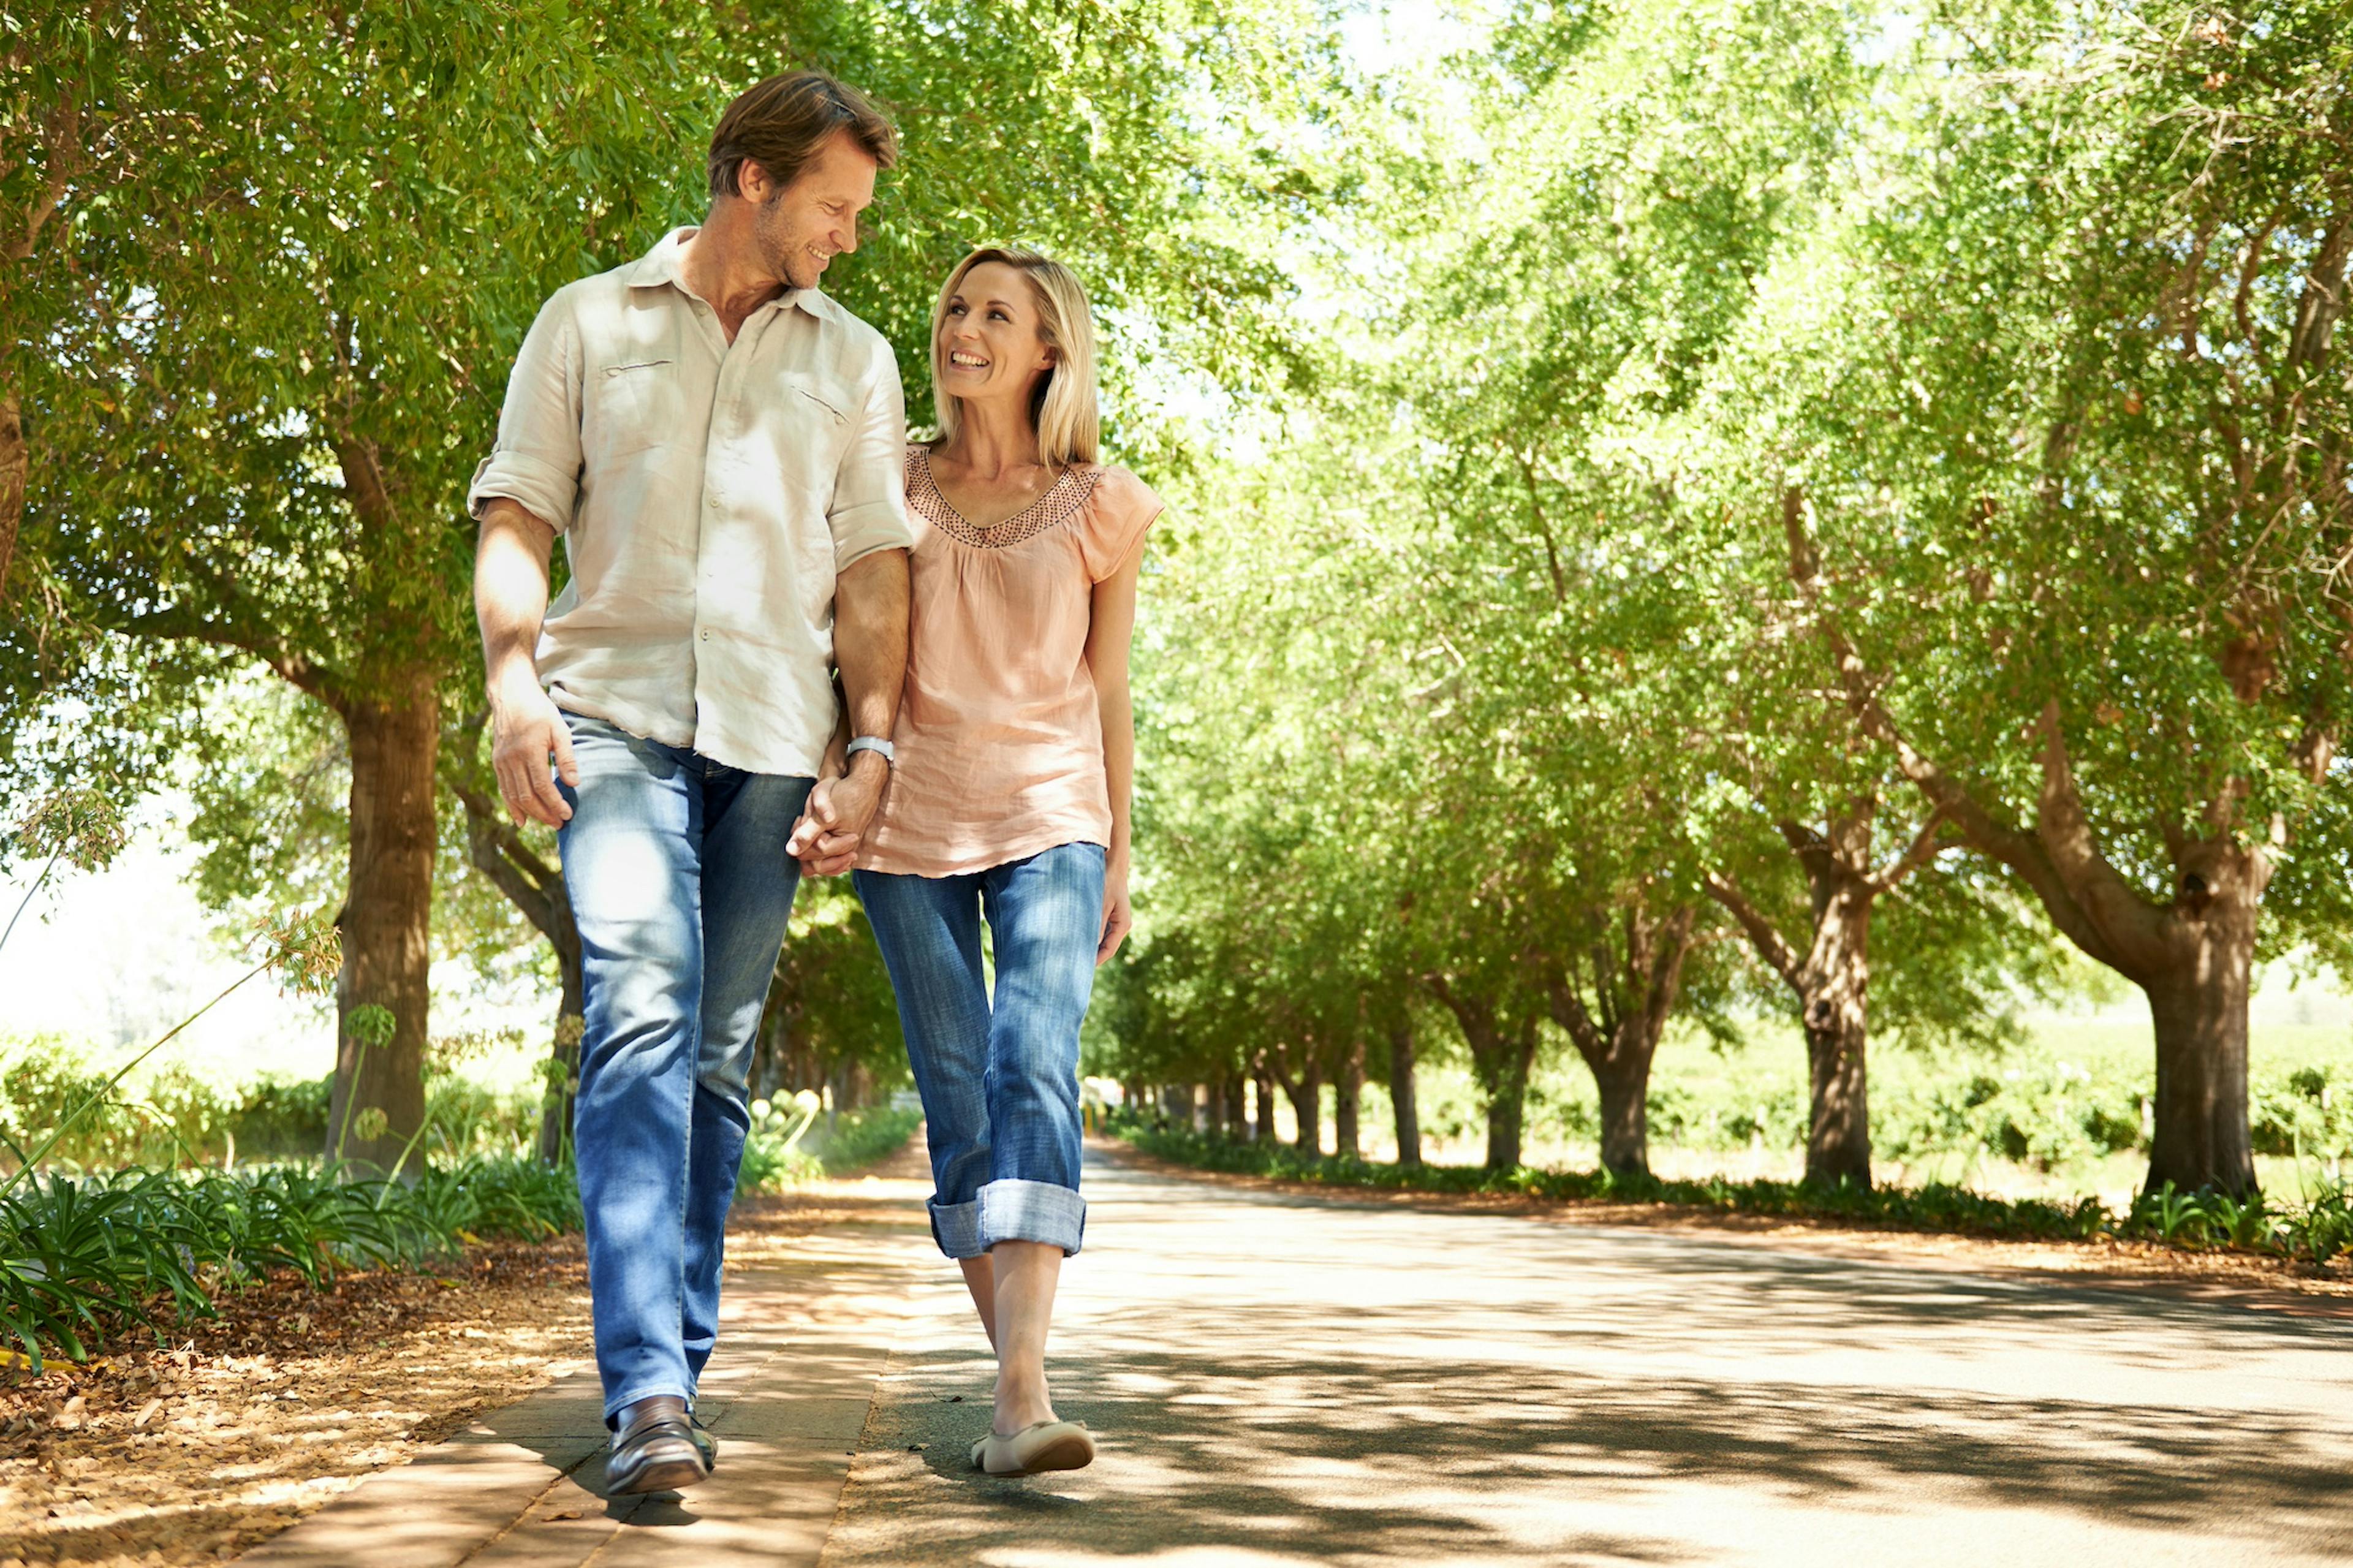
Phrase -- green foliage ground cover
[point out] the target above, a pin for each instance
(134, 1224)
(83, 1259)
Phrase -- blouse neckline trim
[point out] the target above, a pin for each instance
(1060, 503)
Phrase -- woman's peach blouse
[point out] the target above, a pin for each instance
(1000, 740)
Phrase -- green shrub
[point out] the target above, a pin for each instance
(2304, 1114)
(467, 1119)
(281, 1119)
(83, 1258)
(2317, 1233)
(1934, 1207)
(792, 1143)
(858, 1138)
(2044, 1114)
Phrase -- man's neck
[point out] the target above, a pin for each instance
(720, 265)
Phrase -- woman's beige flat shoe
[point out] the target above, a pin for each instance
(1047, 1446)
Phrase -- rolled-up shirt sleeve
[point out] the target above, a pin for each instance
(870, 490)
(536, 462)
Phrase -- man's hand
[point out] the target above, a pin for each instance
(510, 601)
(1118, 915)
(526, 729)
(824, 841)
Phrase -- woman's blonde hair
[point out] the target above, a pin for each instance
(1063, 406)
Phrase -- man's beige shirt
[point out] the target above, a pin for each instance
(708, 494)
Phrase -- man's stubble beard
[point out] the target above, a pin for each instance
(780, 250)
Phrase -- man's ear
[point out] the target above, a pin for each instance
(752, 181)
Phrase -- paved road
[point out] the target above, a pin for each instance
(1281, 1380)
(1296, 1381)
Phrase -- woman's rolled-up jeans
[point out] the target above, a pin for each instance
(999, 1076)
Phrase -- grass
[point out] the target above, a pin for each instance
(2314, 1233)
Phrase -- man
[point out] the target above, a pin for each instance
(722, 447)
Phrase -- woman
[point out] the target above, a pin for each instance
(1008, 799)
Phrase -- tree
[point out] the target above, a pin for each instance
(277, 325)
(300, 325)
(2055, 449)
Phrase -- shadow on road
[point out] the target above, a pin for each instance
(1281, 1380)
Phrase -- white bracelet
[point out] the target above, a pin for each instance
(874, 743)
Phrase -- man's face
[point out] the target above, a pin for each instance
(804, 225)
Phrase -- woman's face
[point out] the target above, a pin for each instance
(990, 344)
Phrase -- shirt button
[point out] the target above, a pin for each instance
(706, 636)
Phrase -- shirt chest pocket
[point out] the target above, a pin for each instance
(633, 405)
(813, 430)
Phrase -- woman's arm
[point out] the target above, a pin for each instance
(1108, 633)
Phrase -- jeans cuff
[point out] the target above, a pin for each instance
(956, 1228)
(616, 1403)
(1032, 1211)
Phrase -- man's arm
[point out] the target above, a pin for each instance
(869, 645)
(511, 557)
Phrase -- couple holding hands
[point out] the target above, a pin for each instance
(723, 449)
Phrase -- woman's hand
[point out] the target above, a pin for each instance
(1118, 916)
(824, 841)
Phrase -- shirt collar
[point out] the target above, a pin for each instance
(659, 266)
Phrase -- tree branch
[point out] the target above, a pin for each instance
(2115, 906)
(2020, 852)
(182, 625)
(1922, 850)
(1568, 1010)
(1673, 946)
(1762, 936)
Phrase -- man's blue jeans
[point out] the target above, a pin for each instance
(681, 889)
(999, 1080)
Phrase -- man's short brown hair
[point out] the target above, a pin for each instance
(780, 124)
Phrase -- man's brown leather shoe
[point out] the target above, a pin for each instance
(654, 1449)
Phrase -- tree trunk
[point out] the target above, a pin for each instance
(1348, 1100)
(1505, 1114)
(1500, 1060)
(1505, 1077)
(1832, 980)
(1263, 1126)
(15, 466)
(1409, 1121)
(386, 928)
(562, 1062)
(2199, 1013)
(1834, 1008)
(1307, 1107)
(1624, 1087)
(1634, 993)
